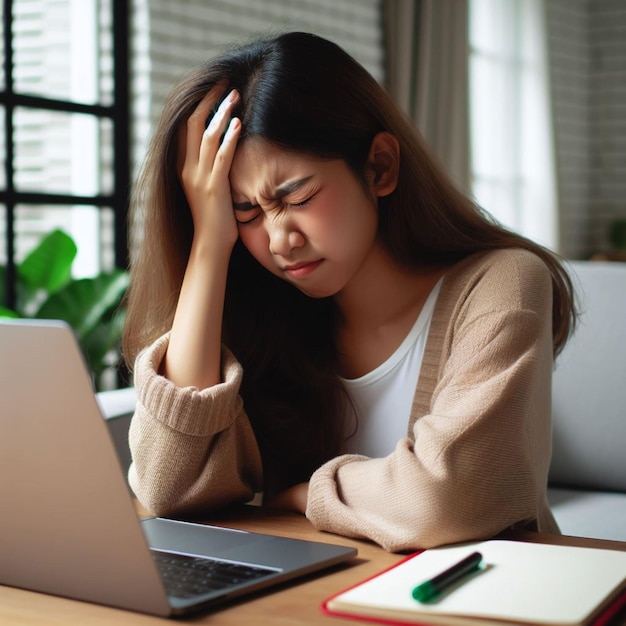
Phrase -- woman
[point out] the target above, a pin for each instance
(316, 313)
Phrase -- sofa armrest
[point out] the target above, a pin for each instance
(117, 403)
(117, 407)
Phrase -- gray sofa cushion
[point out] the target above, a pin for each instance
(597, 514)
(589, 390)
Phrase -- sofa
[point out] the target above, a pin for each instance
(117, 407)
(587, 481)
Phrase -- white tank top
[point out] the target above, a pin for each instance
(383, 397)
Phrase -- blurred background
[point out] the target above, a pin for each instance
(523, 100)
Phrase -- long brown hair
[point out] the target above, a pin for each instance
(305, 94)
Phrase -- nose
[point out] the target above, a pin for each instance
(284, 237)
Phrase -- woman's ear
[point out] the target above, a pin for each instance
(383, 164)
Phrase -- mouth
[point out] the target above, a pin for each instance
(298, 270)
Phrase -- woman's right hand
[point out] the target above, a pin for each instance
(194, 352)
(203, 167)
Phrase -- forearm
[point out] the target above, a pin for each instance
(192, 450)
(476, 464)
(176, 474)
(400, 504)
(193, 354)
(293, 498)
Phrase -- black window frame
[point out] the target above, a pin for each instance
(119, 115)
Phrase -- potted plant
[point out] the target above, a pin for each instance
(617, 235)
(45, 289)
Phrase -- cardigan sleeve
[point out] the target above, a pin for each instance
(477, 462)
(192, 450)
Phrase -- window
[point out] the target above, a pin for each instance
(513, 170)
(64, 131)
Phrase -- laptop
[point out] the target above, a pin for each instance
(69, 526)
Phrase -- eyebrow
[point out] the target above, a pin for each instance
(281, 191)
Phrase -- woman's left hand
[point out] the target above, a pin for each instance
(293, 499)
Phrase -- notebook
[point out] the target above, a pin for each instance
(69, 525)
(517, 583)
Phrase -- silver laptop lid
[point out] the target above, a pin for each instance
(68, 525)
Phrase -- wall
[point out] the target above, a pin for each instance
(587, 53)
(608, 114)
(587, 49)
(169, 38)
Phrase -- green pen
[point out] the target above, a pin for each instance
(428, 589)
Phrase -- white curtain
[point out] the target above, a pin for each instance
(427, 73)
(513, 165)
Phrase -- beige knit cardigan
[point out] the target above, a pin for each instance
(477, 451)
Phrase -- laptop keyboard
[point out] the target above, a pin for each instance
(187, 576)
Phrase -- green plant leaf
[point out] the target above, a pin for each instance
(4, 312)
(101, 341)
(48, 266)
(617, 234)
(85, 303)
(45, 290)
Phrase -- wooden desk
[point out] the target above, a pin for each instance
(289, 605)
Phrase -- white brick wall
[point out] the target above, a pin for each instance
(569, 55)
(608, 115)
(587, 43)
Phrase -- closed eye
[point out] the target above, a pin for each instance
(300, 204)
(303, 203)
(246, 212)
(248, 219)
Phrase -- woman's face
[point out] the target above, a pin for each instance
(309, 221)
